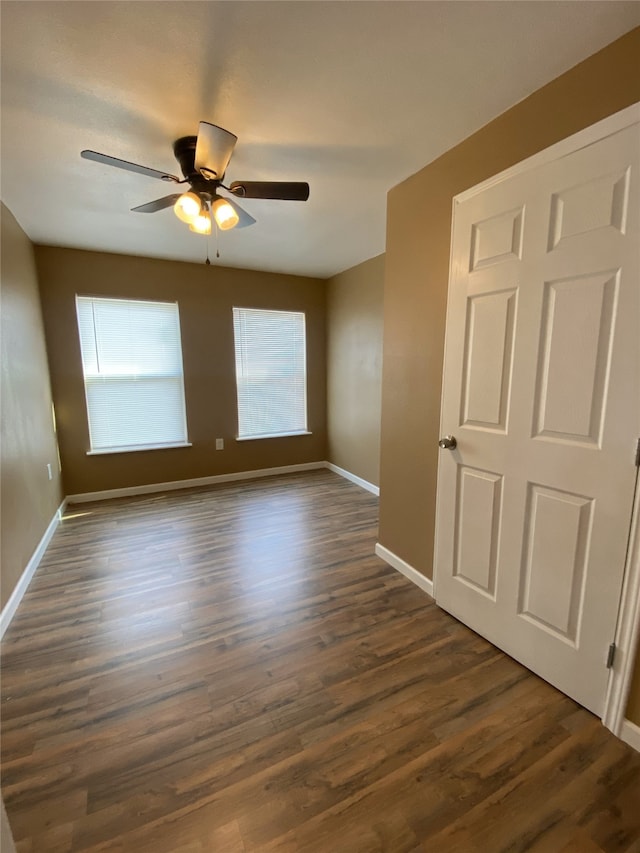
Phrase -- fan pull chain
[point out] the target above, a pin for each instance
(208, 262)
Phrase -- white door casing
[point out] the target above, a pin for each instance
(542, 391)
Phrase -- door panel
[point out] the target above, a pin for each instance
(575, 350)
(589, 206)
(478, 528)
(542, 393)
(497, 239)
(489, 346)
(556, 547)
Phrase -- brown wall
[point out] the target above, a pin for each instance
(354, 368)
(417, 262)
(206, 295)
(28, 499)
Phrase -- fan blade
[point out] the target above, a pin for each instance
(214, 149)
(245, 218)
(284, 190)
(129, 167)
(158, 204)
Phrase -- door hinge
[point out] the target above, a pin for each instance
(611, 655)
(638, 453)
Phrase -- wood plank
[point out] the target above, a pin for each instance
(233, 669)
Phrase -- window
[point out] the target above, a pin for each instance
(132, 364)
(271, 375)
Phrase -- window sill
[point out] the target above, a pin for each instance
(272, 435)
(139, 448)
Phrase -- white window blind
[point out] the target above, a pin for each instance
(271, 373)
(132, 363)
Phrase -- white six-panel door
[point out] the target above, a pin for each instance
(542, 393)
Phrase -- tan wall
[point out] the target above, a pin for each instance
(206, 295)
(28, 499)
(417, 261)
(354, 368)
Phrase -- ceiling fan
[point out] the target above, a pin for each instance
(203, 161)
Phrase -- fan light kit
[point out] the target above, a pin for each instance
(202, 223)
(188, 207)
(224, 215)
(203, 161)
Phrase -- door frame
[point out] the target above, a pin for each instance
(627, 639)
(627, 634)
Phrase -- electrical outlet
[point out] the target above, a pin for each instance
(49, 471)
(219, 443)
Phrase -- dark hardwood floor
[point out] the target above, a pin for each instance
(232, 669)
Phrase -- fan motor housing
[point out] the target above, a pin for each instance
(185, 153)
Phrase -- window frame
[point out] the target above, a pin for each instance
(270, 435)
(87, 378)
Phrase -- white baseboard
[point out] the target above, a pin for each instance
(630, 733)
(173, 485)
(404, 568)
(9, 610)
(364, 484)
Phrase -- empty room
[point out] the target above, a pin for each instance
(320, 426)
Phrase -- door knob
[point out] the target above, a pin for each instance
(448, 442)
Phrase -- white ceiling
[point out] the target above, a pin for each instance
(352, 97)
